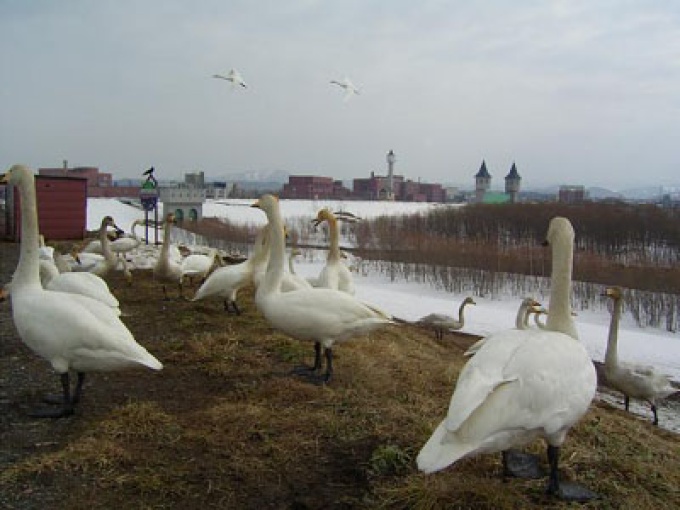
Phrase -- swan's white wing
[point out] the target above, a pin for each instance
(77, 332)
(319, 314)
(224, 281)
(87, 284)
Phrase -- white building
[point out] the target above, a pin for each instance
(186, 203)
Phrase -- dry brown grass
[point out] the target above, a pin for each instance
(225, 425)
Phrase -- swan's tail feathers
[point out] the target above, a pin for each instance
(154, 364)
(144, 357)
(441, 450)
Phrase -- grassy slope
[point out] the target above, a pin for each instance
(224, 425)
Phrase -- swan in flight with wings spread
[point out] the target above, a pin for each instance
(350, 88)
(233, 76)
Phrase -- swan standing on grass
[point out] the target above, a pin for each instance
(442, 323)
(323, 316)
(234, 77)
(86, 284)
(102, 264)
(523, 384)
(198, 265)
(633, 380)
(225, 282)
(167, 269)
(72, 332)
(335, 274)
(121, 245)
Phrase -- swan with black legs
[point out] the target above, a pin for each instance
(72, 332)
(198, 265)
(633, 380)
(322, 316)
(225, 282)
(522, 384)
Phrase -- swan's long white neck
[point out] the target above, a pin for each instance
(559, 310)
(165, 247)
(334, 245)
(461, 319)
(611, 357)
(106, 245)
(277, 253)
(260, 252)
(28, 269)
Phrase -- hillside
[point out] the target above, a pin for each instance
(225, 425)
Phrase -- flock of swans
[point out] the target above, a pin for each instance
(518, 385)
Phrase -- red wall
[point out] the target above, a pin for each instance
(62, 207)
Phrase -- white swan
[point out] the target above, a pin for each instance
(294, 252)
(72, 332)
(526, 308)
(335, 274)
(323, 316)
(198, 265)
(102, 264)
(167, 269)
(233, 76)
(84, 283)
(348, 86)
(225, 282)
(127, 242)
(522, 384)
(441, 323)
(631, 379)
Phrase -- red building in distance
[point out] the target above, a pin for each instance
(313, 187)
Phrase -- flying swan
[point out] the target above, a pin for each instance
(233, 76)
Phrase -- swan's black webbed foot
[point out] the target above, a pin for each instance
(304, 370)
(518, 464)
(60, 412)
(53, 399)
(233, 308)
(566, 491)
(570, 491)
(65, 400)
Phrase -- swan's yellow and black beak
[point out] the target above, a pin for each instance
(4, 177)
(256, 204)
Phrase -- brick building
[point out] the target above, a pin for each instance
(312, 187)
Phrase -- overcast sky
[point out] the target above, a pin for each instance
(574, 92)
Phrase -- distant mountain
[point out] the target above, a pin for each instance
(646, 193)
(269, 176)
(596, 193)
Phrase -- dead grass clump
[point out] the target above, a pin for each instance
(85, 456)
(140, 421)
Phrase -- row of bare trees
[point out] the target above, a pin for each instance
(492, 250)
